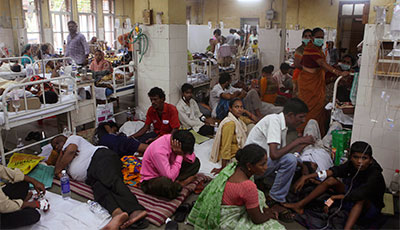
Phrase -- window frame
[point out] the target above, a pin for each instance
(111, 14)
(60, 15)
(37, 11)
(96, 21)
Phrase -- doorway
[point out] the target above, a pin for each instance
(353, 15)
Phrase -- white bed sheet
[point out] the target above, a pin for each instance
(11, 75)
(203, 152)
(67, 101)
(67, 215)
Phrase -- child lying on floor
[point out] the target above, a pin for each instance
(362, 187)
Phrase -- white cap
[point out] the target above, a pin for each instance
(63, 171)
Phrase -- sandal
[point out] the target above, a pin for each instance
(270, 202)
(140, 224)
(286, 216)
(199, 188)
(182, 211)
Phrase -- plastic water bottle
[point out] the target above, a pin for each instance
(215, 127)
(394, 184)
(65, 188)
(20, 144)
(129, 115)
(97, 209)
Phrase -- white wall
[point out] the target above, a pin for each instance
(165, 63)
(198, 37)
(6, 37)
(385, 141)
(270, 46)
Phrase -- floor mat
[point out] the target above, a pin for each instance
(158, 209)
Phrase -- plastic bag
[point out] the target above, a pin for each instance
(104, 113)
(24, 162)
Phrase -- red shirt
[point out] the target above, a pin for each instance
(169, 119)
(241, 194)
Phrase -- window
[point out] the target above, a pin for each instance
(347, 9)
(352, 9)
(108, 12)
(60, 15)
(87, 18)
(32, 21)
(358, 9)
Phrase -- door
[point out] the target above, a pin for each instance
(352, 17)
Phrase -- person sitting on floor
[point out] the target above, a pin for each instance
(15, 208)
(270, 133)
(169, 164)
(231, 135)
(253, 103)
(283, 77)
(190, 115)
(320, 152)
(231, 200)
(107, 134)
(268, 86)
(163, 116)
(100, 168)
(221, 94)
(362, 186)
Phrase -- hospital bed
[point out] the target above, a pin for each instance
(10, 75)
(67, 102)
(199, 72)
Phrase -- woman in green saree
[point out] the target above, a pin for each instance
(231, 200)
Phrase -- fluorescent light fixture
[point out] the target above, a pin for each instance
(249, 0)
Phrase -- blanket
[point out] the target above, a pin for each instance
(158, 209)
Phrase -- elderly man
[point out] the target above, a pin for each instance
(77, 47)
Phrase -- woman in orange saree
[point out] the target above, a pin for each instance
(311, 80)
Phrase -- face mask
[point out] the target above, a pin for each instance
(344, 67)
(318, 42)
(306, 41)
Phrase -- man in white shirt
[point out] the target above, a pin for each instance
(190, 115)
(270, 133)
(283, 77)
(100, 168)
(223, 91)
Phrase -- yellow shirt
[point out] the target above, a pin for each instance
(229, 145)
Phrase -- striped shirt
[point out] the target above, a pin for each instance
(77, 48)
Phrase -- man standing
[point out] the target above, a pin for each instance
(230, 39)
(77, 47)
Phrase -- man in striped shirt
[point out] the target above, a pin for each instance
(77, 47)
